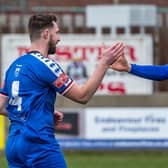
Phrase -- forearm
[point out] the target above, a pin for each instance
(82, 94)
(152, 72)
(4, 112)
(94, 82)
(3, 101)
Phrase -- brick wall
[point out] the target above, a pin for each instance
(162, 3)
(83, 3)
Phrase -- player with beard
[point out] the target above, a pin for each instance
(29, 94)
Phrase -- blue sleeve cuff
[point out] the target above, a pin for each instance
(152, 72)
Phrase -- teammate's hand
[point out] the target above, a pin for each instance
(111, 54)
(58, 117)
(121, 64)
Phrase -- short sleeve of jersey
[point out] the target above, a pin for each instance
(49, 71)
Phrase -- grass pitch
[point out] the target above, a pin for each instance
(118, 159)
(112, 159)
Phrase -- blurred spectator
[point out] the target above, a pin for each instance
(77, 70)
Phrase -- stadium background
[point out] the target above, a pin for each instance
(72, 20)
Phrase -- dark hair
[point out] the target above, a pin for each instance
(39, 22)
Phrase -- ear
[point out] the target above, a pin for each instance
(45, 34)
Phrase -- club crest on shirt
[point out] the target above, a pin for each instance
(60, 81)
(17, 70)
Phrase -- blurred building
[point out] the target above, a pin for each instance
(72, 18)
(71, 14)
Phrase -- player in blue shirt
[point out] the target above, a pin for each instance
(152, 72)
(29, 94)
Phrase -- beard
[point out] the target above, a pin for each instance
(51, 47)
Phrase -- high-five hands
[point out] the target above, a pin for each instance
(121, 64)
(112, 53)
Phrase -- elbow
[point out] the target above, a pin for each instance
(79, 95)
(83, 101)
(79, 99)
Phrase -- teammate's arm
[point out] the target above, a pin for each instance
(3, 101)
(152, 72)
(82, 94)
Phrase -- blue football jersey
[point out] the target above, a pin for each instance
(31, 83)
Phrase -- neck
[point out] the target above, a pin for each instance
(39, 46)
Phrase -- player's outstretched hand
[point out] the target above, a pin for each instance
(58, 117)
(112, 53)
(121, 64)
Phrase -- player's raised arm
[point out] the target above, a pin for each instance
(152, 72)
(82, 94)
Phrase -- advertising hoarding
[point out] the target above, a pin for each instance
(87, 48)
